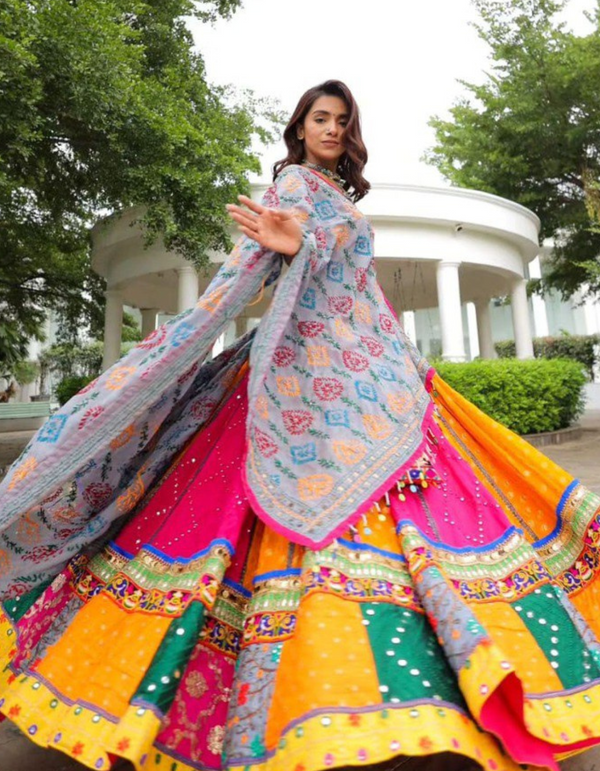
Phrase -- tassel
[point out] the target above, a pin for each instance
(355, 534)
(260, 294)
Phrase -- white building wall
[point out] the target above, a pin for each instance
(429, 333)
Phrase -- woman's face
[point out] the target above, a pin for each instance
(323, 131)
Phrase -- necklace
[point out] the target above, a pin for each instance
(332, 175)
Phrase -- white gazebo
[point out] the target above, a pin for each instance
(435, 248)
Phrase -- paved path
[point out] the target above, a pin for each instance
(581, 458)
(11, 445)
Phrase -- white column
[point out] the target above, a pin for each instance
(540, 317)
(520, 316)
(591, 313)
(218, 346)
(241, 326)
(410, 325)
(448, 287)
(113, 323)
(591, 316)
(484, 330)
(148, 321)
(187, 287)
(472, 326)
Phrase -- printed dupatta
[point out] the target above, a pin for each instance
(94, 460)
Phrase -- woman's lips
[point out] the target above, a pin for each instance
(329, 142)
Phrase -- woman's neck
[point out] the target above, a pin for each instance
(331, 175)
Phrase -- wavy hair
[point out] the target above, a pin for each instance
(354, 158)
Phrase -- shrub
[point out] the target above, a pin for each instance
(69, 386)
(26, 372)
(68, 360)
(527, 396)
(74, 361)
(582, 348)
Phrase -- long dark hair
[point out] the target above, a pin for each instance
(354, 158)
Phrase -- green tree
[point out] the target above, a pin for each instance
(531, 131)
(104, 105)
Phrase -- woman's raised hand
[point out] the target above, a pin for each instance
(276, 229)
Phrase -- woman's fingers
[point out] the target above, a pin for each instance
(243, 218)
(247, 232)
(261, 223)
(252, 205)
(281, 214)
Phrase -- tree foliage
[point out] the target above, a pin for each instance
(104, 105)
(582, 348)
(531, 131)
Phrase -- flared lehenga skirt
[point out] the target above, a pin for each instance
(455, 616)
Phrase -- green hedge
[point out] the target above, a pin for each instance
(69, 386)
(580, 348)
(527, 396)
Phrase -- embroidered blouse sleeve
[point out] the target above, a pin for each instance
(292, 190)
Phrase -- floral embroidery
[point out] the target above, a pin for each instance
(309, 299)
(327, 388)
(374, 346)
(52, 428)
(355, 362)
(398, 402)
(386, 323)
(97, 494)
(262, 406)
(211, 300)
(341, 305)
(283, 356)
(360, 277)
(349, 453)
(288, 385)
(22, 472)
(362, 312)
(337, 418)
(265, 444)
(335, 272)
(376, 426)
(303, 453)
(154, 338)
(317, 356)
(342, 234)
(310, 328)
(89, 415)
(296, 422)
(342, 329)
(365, 390)
(363, 245)
(119, 377)
(128, 499)
(195, 684)
(314, 487)
(123, 438)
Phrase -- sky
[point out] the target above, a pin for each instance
(400, 58)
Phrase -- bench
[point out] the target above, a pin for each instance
(23, 416)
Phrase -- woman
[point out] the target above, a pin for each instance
(308, 553)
